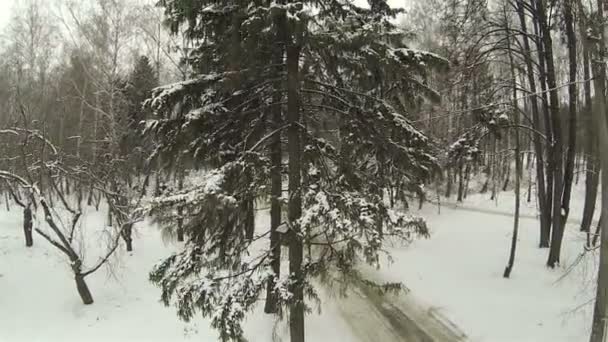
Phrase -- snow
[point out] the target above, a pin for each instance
(457, 274)
(39, 301)
(458, 271)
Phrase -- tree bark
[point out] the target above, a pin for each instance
(83, 290)
(460, 182)
(27, 226)
(591, 164)
(572, 99)
(296, 309)
(547, 124)
(448, 187)
(275, 208)
(596, 234)
(127, 235)
(599, 329)
(541, 190)
(556, 148)
(518, 162)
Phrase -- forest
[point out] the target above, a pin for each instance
(294, 170)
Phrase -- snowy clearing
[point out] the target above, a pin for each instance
(458, 272)
(454, 277)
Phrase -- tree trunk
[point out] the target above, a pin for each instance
(529, 196)
(518, 173)
(127, 235)
(249, 219)
(460, 183)
(556, 150)
(541, 190)
(83, 290)
(548, 133)
(494, 170)
(599, 329)
(27, 226)
(572, 99)
(296, 309)
(508, 173)
(448, 187)
(275, 208)
(591, 165)
(596, 234)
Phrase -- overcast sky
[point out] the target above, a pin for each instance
(6, 5)
(5, 11)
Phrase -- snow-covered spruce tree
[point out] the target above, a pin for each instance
(287, 69)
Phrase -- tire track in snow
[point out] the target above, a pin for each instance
(394, 317)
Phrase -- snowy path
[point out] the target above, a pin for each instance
(463, 207)
(374, 317)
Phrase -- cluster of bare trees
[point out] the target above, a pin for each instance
(539, 66)
(72, 79)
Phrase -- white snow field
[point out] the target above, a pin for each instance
(39, 302)
(458, 272)
(455, 275)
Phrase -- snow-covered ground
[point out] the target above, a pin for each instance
(457, 274)
(39, 302)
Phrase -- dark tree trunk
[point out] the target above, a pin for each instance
(180, 226)
(494, 170)
(541, 190)
(508, 174)
(597, 232)
(556, 150)
(591, 143)
(127, 235)
(546, 229)
(275, 208)
(90, 197)
(572, 99)
(600, 311)
(296, 309)
(467, 177)
(27, 226)
(460, 183)
(250, 219)
(180, 210)
(577, 168)
(591, 191)
(518, 168)
(448, 187)
(83, 289)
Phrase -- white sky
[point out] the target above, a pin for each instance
(7, 5)
(5, 11)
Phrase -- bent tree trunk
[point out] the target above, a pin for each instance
(518, 173)
(83, 289)
(27, 226)
(127, 236)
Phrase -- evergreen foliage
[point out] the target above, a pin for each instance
(354, 75)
